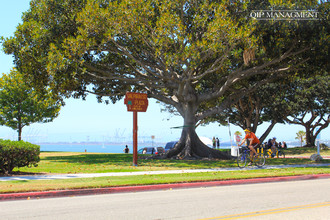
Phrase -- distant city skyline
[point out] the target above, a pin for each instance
(88, 120)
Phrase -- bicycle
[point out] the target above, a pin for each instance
(278, 153)
(244, 157)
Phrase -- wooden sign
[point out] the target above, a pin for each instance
(136, 102)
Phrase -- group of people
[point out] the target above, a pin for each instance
(252, 140)
(273, 145)
(215, 143)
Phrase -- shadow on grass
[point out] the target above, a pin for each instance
(92, 158)
(304, 150)
(126, 160)
(20, 173)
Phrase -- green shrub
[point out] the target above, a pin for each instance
(17, 154)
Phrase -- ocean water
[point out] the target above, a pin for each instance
(91, 148)
(104, 148)
(97, 148)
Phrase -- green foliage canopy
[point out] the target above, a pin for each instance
(21, 105)
(17, 154)
(308, 104)
(182, 53)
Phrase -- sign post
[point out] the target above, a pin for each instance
(135, 138)
(136, 102)
(152, 138)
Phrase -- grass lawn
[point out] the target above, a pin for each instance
(71, 162)
(305, 151)
(68, 162)
(99, 182)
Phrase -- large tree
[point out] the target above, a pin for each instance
(182, 53)
(268, 103)
(309, 105)
(265, 104)
(21, 105)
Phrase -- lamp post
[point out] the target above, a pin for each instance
(231, 142)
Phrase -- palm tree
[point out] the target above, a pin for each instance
(301, 135)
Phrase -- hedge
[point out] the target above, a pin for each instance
(17, 154)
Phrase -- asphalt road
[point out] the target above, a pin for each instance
(308, 199)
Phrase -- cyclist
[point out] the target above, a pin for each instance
(253, 143)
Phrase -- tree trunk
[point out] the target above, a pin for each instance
(266, 133)
(19, 134)
(190, 146)
(310, 139)
(19, 129)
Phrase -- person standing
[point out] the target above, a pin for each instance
(284, 146)
(218, 143)
(126, 150)
(213, 142)
(273, 146)
(253, 143)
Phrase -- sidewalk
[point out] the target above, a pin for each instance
(90, 175)
(125, 189)
(130, 189)
(307, 157)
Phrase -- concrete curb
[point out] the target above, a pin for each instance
(126, 189)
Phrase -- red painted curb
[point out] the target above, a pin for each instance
(81, 192)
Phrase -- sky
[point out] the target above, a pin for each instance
(91, 121)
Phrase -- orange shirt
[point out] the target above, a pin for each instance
(252, 137)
